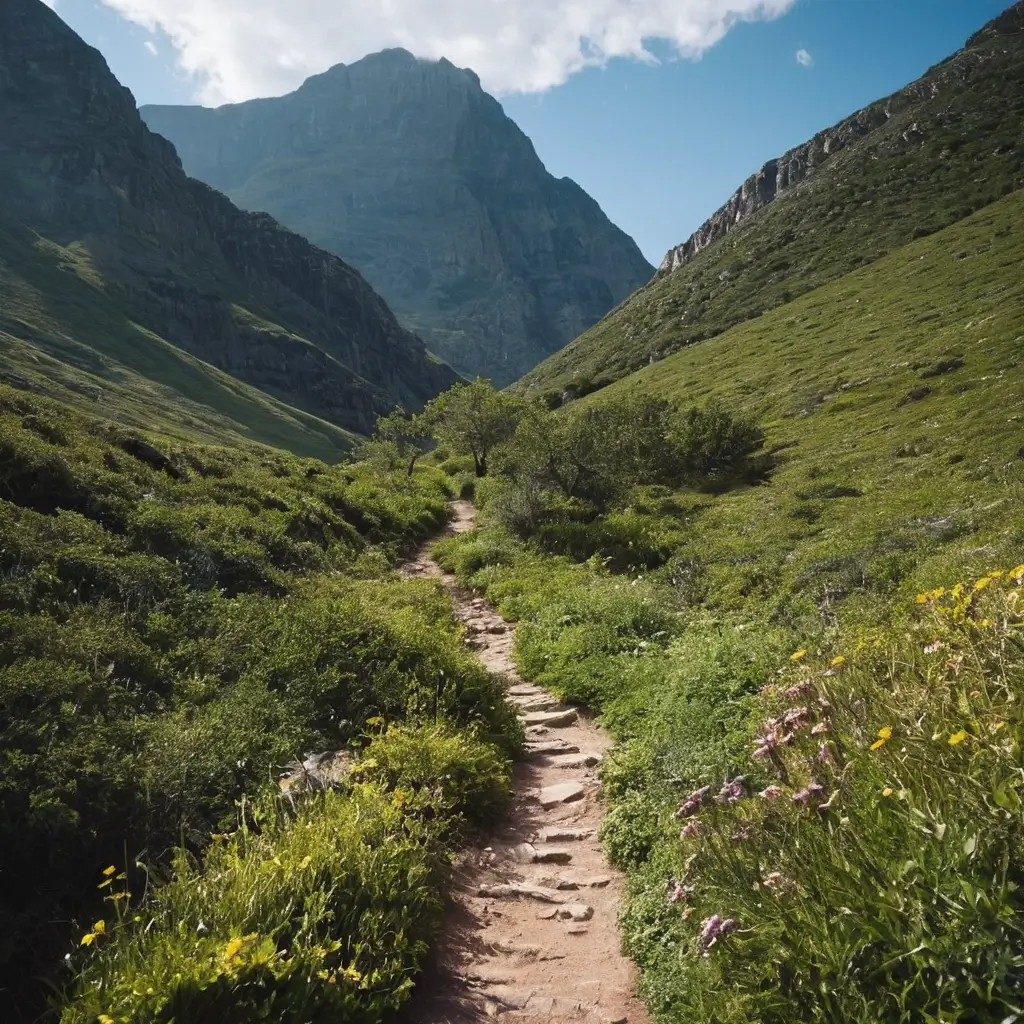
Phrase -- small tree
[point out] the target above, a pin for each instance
(472, 419)
(410, 435)
(712, 444)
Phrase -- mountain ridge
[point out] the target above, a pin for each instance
(79, 167)
(786, 172)
(909, 164)
(407, 169)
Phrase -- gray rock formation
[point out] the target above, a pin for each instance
(779, 176)
(77, 165)
(408, 170)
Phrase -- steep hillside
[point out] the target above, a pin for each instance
(411, 172)
(902, 168)
(114, 262)
(815, 681)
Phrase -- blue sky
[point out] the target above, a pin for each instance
(659, 145)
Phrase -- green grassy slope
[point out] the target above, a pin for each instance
(909, 165)
(842, 645)
(60, 333)
(177, 622)
(904, 381)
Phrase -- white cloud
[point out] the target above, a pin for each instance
(237, 49)
(803, 58)
(151, 46)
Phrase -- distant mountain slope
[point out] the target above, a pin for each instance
(904, 167)
(411, 172)
(112, 259)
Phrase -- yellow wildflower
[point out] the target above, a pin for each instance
(232, 949)
(957, 737)
(109, 871)
(884, 735)
(1017, 574)
(982, 583)
(887, 792)
(105, 1019)
(838, 660)
(985, 623)
(351, 974)
(89, 938)
(998, 726)
(797, 655)
(100, 927)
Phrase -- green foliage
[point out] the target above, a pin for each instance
(878, 879)
(323, 915)
(176, 624)
(471, 419)
(466, 780)
(406, 436)
(881, 906)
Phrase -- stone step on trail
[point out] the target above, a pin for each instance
(575, 884)
(510, 890)
(552, 747)
(539, 704)
(552, 719)
(559, 834)
(525, 690)
(575, 760)
(576, 912)
(561, 793)
(527, 853)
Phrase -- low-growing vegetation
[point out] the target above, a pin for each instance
(323, 914)
(812, 670)
(178, 622)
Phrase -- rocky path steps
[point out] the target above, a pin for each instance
(531, 932)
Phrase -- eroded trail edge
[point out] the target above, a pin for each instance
(531, 932)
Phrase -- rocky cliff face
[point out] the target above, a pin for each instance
(779, 176)
(236, 289)
(408, 170)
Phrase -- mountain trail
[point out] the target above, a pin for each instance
(531, 932)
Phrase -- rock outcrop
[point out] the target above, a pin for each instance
(79, 167)
(780, 176)
(932, 153)
(409, 171)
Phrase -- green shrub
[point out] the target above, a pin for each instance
(465, 779)
(322, 915)
(170, 639)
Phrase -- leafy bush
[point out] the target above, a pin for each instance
(323, 916)
(465, 779)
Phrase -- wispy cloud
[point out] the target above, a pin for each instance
(803, 58)
(151, 46)
(237, 49)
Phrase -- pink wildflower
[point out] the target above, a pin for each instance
(691, 829)
(770, 792)
(713, 929)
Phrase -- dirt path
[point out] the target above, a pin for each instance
(531, 932)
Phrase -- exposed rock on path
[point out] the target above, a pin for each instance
(531, 932)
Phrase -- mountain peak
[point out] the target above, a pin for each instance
(407, 169)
